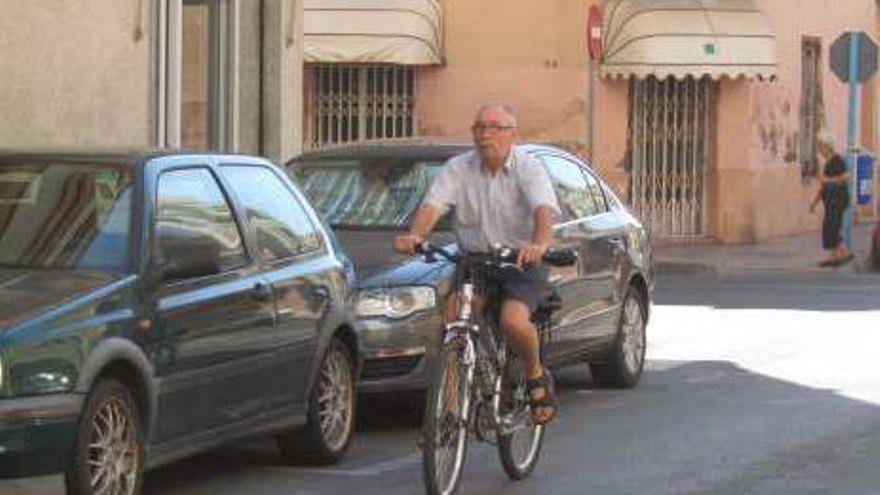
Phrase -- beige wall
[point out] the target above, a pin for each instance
(74, 74)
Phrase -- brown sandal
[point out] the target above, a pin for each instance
(548, 401)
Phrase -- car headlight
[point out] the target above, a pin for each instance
(395, 302)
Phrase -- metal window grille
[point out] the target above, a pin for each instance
(668, 142)
(811, 104)
(354, 102)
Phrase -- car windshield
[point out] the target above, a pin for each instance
(380, 194)
(65, 216)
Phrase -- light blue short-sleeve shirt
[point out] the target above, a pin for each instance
(492, 210)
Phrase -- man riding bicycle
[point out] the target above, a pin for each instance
(500, 196)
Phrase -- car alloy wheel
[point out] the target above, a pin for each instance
(331, 411)
(633, 335)
(335, 397)
(622, 366)
(108, 455)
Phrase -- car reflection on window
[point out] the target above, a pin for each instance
(64, 216)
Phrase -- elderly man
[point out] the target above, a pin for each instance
(501, 197)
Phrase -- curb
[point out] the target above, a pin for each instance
(683, 268)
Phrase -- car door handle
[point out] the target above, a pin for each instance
(262, 292)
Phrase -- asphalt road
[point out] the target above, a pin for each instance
(754, 385)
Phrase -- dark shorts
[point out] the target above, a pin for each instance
(527, 286)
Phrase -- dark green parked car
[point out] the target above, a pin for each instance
(154, 305)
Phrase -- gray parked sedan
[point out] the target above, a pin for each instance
(368, 191)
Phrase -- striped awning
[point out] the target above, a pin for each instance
(681, 38)
(408, 32)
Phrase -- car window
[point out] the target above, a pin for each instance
(64, 216)
(369, 193)
(283, 227)
(572, 188)
(194, 224)
(595, 188)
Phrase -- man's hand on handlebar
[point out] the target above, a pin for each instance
(530, 254)
(407, 243)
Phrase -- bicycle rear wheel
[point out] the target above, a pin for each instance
(520, 441)
(445, 423)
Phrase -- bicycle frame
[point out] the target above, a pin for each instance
(475, 351)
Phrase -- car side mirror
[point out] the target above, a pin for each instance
(184, 253)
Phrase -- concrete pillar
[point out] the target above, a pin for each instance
(282, 74)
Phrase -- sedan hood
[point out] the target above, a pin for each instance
(26, 293)
(377, 264)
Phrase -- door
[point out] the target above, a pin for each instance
(295, 262)
(668, 142)
(586, 289)
(214, 310)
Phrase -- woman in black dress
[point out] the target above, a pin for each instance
(834, 194)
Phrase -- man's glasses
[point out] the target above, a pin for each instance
(490, 128)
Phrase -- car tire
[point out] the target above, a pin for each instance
(332, 407)
(624, 363)
(108, 448)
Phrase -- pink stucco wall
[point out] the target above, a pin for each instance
(771, 137)
(532, 55)
(525, 53)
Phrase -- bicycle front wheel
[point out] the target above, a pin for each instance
(445, 422)
(519, 439)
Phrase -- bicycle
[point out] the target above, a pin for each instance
(477, 382)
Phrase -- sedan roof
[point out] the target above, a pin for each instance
(127, 156)
(424, 149)
(132, 157)
(408, 148)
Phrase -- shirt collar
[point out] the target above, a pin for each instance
(506, 167)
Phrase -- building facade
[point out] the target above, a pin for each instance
(703, 114)
(199, 74)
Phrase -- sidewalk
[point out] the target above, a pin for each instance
(792, 254)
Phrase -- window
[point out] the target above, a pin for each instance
(598, 195)
(369, 193)
(205, 68)
(64, 216)
(196, 87)
(282, 226)
(572, 188)
(355, 102)
(811, 104)
(194, 223)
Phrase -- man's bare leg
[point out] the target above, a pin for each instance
(523, 334)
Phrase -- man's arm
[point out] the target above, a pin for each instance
(422, 225)
(531, 254)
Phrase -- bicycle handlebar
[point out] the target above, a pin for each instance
(556, 256)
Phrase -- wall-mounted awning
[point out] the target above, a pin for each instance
(683, 38)
(406, 32)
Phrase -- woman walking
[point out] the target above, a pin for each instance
(834, 194)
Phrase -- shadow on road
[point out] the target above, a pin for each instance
(690, 427)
